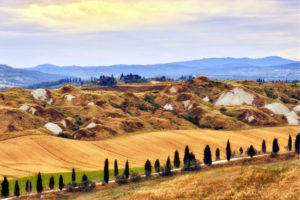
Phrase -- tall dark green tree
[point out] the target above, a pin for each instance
(5, 187)
(73, 176)
(39, 183)
(17, 189)
(217, 154)
(297, 143)
(148, 168)
(51, 183)
(61, 184)
(28, 186)
(157, 166)
(84, 178)
(290, 143)
(176, 159)
(241, 151)
(126, 171)
(207, 155)
(116, 169)
(168, 167)
(228, 151)
(186, 158)
(263, 147)
(251, 151)
(275, 146)
(106, 171)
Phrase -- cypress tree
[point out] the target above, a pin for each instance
(28, 186)
(106, 172)
(251, 151)
(84, 178)
(290, 143)
(217, 154)
(148, 168)
(207, 156)
(228, 151)
(61, 184)
(5, 187)
(168, 167)
(275, 146)
(157, 166)
(263, 147)
(51, 183)
(186, 158)
(126, 171)
(297, 143)
(39, 183)
(17, 189)
(73, 176)
(116, 169)
(241, 150)
(192, 157)
(176, 159)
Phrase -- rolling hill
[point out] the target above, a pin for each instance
(11, 77)
(107, 112)
(49, 154)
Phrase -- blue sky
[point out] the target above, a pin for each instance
(107, 32)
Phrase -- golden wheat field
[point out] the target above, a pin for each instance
(47, 154)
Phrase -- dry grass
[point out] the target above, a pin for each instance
(50, 154)
(254, 180)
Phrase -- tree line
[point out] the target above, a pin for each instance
(190, 163)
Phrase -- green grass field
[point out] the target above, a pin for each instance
(92, 175)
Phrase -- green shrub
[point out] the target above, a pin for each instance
(121, 179)
(65, 135)
(135, 177)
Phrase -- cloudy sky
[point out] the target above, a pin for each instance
(106, 32)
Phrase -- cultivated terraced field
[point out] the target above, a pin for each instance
(50, 154)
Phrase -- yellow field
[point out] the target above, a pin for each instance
(53, 154)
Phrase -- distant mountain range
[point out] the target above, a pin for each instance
(12, 77)
(269, 68)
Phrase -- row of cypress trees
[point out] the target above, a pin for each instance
(189, 157)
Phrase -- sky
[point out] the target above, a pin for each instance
(108, 32)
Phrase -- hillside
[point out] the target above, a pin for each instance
(256, 180)
(11, 77)
(49, 154)
(99, 114)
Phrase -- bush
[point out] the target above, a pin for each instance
(192, 166)
(65, 135)
(121, 179)
(86, 186)
(135, 177)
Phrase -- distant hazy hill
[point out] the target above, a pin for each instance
(10, 77)
(217, 68)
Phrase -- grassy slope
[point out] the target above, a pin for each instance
(50, 154)
(279, 180)
(92, 175)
